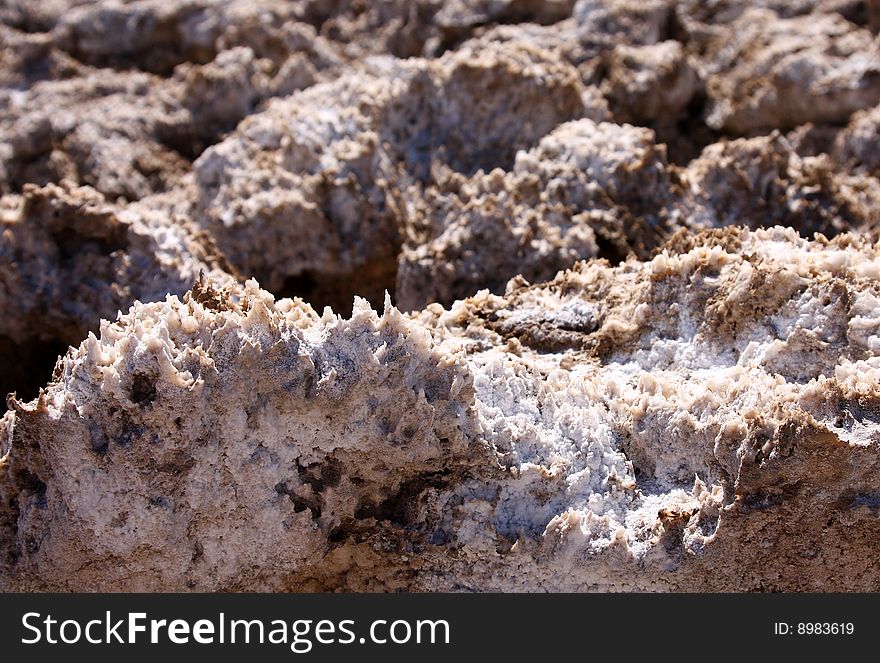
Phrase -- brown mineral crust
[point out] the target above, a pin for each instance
(109, 135)
(855, 145)
(762, 182)
(80, 259)
(769, 72)
(587, 189)
(637, 244)
(427, 452)
(341, 222)
(650, 83)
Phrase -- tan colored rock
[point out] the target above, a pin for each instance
(37, 16)
(768, 72)
(650, 83)
(607, 22)
(104, 129)
(588, 188)
(69, 258)
(702, 421)
(760, 182)
(615, 369)
(159, 34)
(856, 146)
(305, 194)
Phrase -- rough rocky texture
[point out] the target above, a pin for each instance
(101, 129)
(69, 258)
(763, 181)
(650, 83)
(586, 189)
(646, 426)
(771, 73)
(855, 146)
(302, 195)
(155, 480)
(604, 280)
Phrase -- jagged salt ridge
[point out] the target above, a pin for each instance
(699, 421)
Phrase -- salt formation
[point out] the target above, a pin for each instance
(780, 73)
(618, 427)
(68, 258)
(603, 278)
(305, 192)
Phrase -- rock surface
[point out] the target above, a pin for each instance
(603, 278)
(629, 427)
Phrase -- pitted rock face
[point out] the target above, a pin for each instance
(307, 192)
(617, 427)
(602, 277)
(302, 440)
(69, 257)
(779, 73)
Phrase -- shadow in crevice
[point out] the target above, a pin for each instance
(339, 290)
(27, 366)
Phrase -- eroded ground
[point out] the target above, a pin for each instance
(604, 280)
